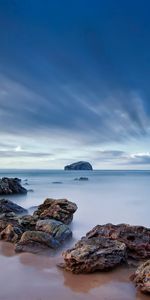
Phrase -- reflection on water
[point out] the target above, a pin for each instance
(107, 197)
(28, 276)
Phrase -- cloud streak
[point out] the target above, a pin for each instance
(80, 79)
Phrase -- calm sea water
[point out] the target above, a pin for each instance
(108, 196)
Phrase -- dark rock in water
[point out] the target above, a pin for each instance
(57, 229)
(93, 254)
(61, 210)
(81, 179)
(136, 238)
(80, 165)
(57, 182)
(10, 186)
(141, 277)
(31, 190)
(35, 241)
(26, 183)
(7, 206)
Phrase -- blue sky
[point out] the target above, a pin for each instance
(74, 83)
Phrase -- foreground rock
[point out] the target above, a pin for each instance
(93, 254)
(35, 241)
(61, 210)
(7, 206)
(136, 238)
(46, 229)
(141, 277)
(57, 229)
(105, 246)
(80, 165)
(10, 186)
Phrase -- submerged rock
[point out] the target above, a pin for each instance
(136, 238)
(57, 229)
(93, 254)
(61, 210)
(7, 206)
(141, 277)
(80, 165)
(81, 179)
(57, 182)
(34, 241)
(10, 186)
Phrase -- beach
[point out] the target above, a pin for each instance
(107, 196)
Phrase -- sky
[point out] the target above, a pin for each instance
(75, 83)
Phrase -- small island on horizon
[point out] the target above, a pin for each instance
(80, 165)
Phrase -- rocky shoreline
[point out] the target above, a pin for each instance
(102, 249)
(46, 228)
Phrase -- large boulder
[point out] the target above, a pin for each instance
(136, 238)
(93, 254)
(57, 229)
(61, 210)
(35, 241)
(10, 186)
(141, 277)
(7, 206)
(80, 165)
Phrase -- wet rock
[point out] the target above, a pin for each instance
(61, 210)
(35, 241)
(57, 229)
(31, 190)
(80, 165)
(10, 186)
(57, 182)
(136, 238)
(28, 222)
(7, 206)
(11, 233)
(93, 254)
(6, 219)
(141, 277)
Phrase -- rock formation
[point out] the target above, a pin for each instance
(61, 210)
(33, 233)
(80, 165)
(136, 238)
(10, 186)
(97, 253)
(105, 246)
(141, 277)
(7, 206)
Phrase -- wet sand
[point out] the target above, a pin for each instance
(35, 277)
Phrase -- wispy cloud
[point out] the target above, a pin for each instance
(77, 82)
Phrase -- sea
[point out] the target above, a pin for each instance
(108, 196)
